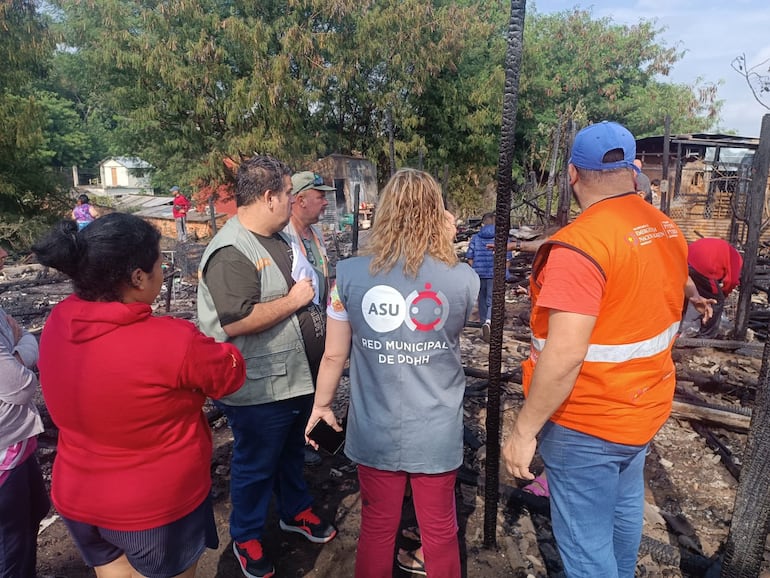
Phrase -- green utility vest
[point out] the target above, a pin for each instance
(276, 364)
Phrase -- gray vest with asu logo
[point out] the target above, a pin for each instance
(406, 375)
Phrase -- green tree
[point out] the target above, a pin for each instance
(185, 84)
(379, 63)
(24, 47)
(574, 66)
(613, 71)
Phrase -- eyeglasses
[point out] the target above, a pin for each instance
(317, 179)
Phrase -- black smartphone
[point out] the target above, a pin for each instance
(327, 438)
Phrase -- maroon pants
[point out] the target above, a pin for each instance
(382, 494)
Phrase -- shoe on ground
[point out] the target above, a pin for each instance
(485, 332)
(409, 561)
(253, 562)
(311, 527)
(312, 457)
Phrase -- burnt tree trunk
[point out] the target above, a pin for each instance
(755, 207)
(502, 225)
(751, 514)
(556, 148)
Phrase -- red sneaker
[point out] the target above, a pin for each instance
(253, 562)
(311, 527)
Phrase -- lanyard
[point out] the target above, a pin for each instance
(323, 264)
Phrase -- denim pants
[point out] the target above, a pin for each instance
(268, 456)
(382, 494)
(597, 501)
(485, 300)
(23, 504)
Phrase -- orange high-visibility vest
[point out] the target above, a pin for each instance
(624, 390)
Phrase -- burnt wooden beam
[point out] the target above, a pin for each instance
(724, 452)
(24, 283)
(711, 414)
(716, 343)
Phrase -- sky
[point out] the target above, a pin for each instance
(712, 32)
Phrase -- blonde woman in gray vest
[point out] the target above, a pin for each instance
(398, 313)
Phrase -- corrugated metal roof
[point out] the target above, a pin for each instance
(164, 212)
(128, 202)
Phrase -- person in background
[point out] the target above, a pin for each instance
(398, 313)
(179, 209)
(599, 381)
(715, 268)
(83, 213)
(481, 258)
(23, 498)
(643, 185)
(257, 292)
(655, 188)
(309, 204)
(131, 478)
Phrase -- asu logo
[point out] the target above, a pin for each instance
(385, 309)
(427, 310)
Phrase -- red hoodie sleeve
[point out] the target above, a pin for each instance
(216, 369)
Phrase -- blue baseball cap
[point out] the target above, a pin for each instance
(596, 140)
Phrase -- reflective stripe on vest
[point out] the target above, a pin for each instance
(625, 351)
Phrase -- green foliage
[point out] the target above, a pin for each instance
(19, 232)
(24, 43)
(184, 84)
(612, 71)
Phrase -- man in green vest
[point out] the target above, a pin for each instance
(310, 203)
(248, 294)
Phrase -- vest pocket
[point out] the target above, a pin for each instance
(269, 365)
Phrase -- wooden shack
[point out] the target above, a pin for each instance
(709, 178)
(355, 181)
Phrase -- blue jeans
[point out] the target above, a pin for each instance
(268, 456)
(485, 300)
(23, 504)
(597, 501)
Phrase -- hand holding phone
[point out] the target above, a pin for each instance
(327, 438)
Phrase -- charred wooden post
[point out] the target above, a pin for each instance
(169, 289)
(213, 215)
(751, 514)
(502, 225)
(665, 195)
(552, 173)
(565, 194)
(755, 208)
(354, 228)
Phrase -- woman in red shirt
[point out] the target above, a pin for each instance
(125, 388)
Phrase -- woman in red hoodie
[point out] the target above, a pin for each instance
(125, 388)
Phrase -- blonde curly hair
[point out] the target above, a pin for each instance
(410, 224)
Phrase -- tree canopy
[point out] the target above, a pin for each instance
(185, 84)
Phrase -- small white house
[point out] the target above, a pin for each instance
(126, 172)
